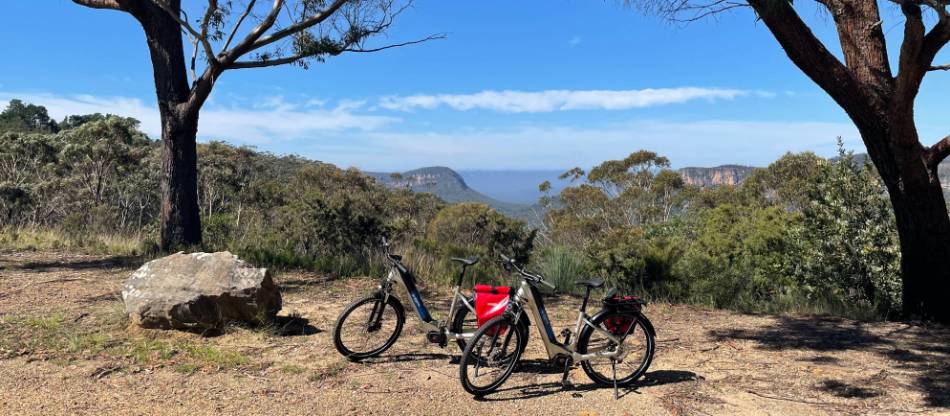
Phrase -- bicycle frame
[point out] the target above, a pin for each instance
(528, 297)
(402, 277)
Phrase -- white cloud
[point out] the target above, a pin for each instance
(272, 118)
(561, 100)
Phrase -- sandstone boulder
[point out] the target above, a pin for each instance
(200, 291)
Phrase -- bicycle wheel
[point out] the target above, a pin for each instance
(492, 355)
(368, 327)
(464, 321)
(638, 346)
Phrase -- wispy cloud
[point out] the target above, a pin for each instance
(561, 100)
(273, 118)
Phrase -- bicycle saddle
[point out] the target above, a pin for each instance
(468, 262)
(593, 282)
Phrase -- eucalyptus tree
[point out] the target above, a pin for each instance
(631, 192)
(880, 101)
(226, 35)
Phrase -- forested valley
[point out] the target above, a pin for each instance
(804, 234)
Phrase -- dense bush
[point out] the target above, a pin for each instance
(804, 233)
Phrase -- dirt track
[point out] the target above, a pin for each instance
(64, 350)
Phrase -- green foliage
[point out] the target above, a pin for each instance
(802, 234)
(562, 266)
(468, 229)
(740, 257)
(637, 190)
(849, 237)
(473, 227)
(26, 118)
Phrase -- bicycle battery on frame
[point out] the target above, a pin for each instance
(410, 281)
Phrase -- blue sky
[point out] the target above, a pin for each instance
(516, 85)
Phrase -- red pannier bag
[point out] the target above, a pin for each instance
(620, 324)
(491, 301)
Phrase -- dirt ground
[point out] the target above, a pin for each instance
(65, 349)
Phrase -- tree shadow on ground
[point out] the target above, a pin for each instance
(303, 283)
(848, 391)
(918, 349)
(651, 379)
(112, 262)
(292, 326)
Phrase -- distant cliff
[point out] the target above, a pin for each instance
(719, 175)
(448, 185)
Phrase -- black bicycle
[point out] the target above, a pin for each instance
(372, 324)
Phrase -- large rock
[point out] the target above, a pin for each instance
(200, 291)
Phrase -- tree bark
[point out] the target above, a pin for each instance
(180, 219)
(923, 225)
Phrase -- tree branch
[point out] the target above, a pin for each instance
(813, 58)
(246, 44)
(250, 6)
(396, 45)
(349, 47)
(910, 70)
(940, 68)
(99, 4)
(317, 18)
(938, 152)
(919, 49)
(266, 62)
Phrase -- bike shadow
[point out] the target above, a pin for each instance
(408, 357)
(651, 379)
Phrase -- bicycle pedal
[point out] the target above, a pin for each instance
(437, 337)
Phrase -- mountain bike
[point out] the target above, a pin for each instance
(372, 324)
(619, 335)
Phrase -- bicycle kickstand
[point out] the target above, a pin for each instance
(613, 365)
(567, 368)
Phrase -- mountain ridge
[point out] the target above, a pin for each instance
(451, 187)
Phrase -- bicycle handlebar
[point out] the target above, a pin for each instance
(529, 276)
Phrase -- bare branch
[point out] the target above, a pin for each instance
(349, 47)
(267, 62)
(938, 152)
(317, 18)
(940, 68)
(99, 4)
(250, 6)
(396, 45)
(246, 44)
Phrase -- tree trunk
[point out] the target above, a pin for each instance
(921, 215)
(181, 223)
(180, 215)
(924, 230)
